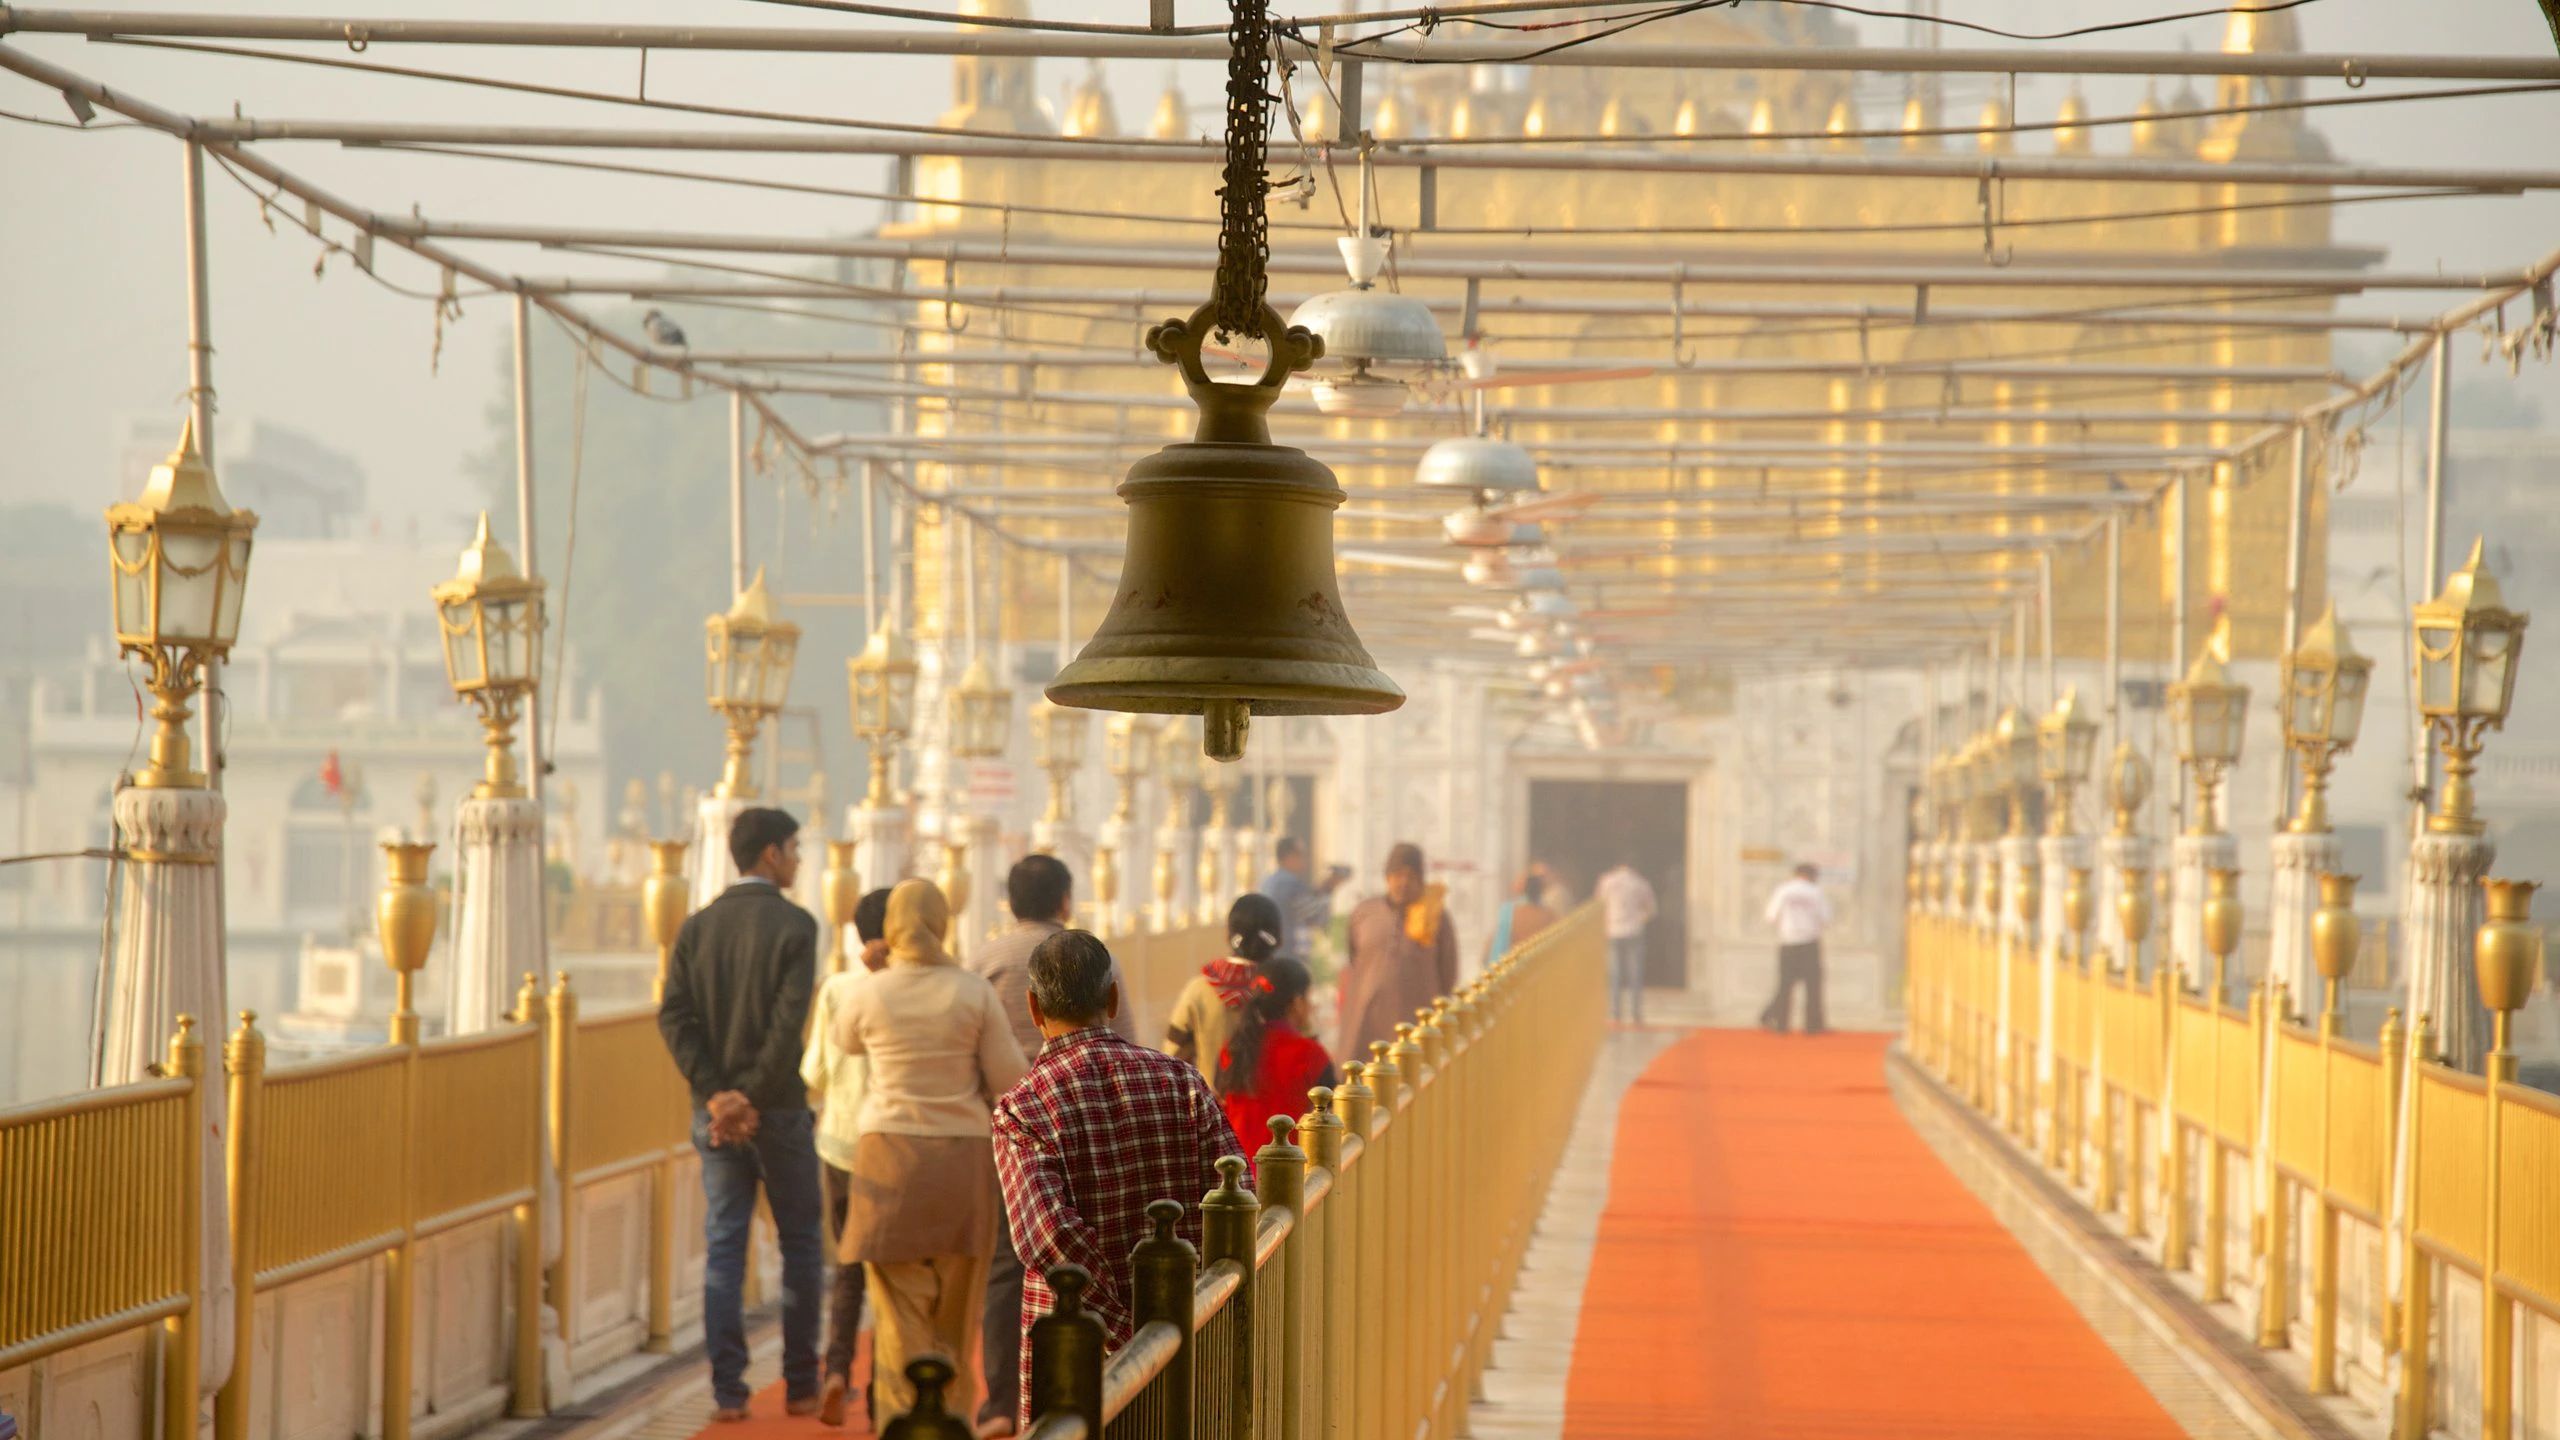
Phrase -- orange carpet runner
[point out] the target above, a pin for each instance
(1783, 1258)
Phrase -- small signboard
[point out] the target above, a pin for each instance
(990, 784)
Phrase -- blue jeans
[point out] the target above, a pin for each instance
(1626, 978)
(783, 1159)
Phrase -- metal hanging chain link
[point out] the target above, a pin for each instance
(1244, 231)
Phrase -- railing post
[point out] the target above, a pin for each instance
(2498, 1316)
(2217, 1200)
(2275, 1281)
(2173, 1137)
(1280, 1176)
(929, 1418)
(2324, 1240)
(2417, 1288)
(400, 1262)
(1163, 1271)
(182, 1360)
(1329, 1305)
(1066, 1354)
(244, 1061)
(560, 1050)
(524, 1399)
(662, 1256)
(1361, 1252)
(1230, 1218)
(1390, 1268)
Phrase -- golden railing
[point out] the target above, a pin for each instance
(101, 1216)
(356, 1159)
(1358, 1293)
(2160, 1096)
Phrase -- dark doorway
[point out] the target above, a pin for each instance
(1583, 827)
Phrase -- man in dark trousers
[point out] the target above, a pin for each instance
(737, 1002)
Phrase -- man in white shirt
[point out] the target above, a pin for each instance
(1626, 908)
(1800, 912)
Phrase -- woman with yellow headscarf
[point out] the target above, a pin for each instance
(922, 1211)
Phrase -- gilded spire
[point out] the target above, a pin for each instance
(1994, 137)
(1089, 109)
(2071, 125)
(1172, 120)
(184, 481)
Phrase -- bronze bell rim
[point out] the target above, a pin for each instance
(1184, 686)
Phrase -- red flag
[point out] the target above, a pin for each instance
(333, 779)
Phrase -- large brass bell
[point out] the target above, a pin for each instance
(1227, 605)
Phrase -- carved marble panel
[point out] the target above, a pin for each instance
(611, 1261)
(463, 1276)
(325, 1348)
(99, 1391)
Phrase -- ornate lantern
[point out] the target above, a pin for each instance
(490, 616)
(749, 655)
(2208, 711)
(1058, 738)
(2128, 785)
(883, 683)
(1227, 604)
(2323, 683)
(178, 567)
(2467, 644)
(981, 713)
(2066, 741)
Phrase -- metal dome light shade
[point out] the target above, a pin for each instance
(1480, 465)
(1375, 337)
(1227, 605)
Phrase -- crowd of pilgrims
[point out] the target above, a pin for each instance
(933, 1135)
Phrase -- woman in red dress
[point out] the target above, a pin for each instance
(1270, 1061)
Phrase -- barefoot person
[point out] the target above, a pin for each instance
(1404, 953)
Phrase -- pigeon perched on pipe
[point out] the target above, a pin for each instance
(662, 331)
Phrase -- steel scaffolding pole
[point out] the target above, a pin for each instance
(530, 552)
(1135, 43)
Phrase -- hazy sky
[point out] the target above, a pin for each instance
(91, 301)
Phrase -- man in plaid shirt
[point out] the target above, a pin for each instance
(1097, 1129)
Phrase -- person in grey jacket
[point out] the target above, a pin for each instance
(739, 978)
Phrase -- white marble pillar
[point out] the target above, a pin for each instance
(2293, 893)
(498, 933)
(882, 853)
(708, 858)
(987, 910)
(1120, 849)
(1215, 884)
(168, 962)
(2445, 909)
(1252, 852)
(1179, 844)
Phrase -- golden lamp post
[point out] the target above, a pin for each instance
(1059, 735)
(2066, 743)
(749, 654)
(2507, 959)
(664, 899)
(883, 683)
(405, 919)
(2467, 645)
(490, 617)
(178, 562)
(2128, 786)
(2336, 936)
(2323, 684)
(2208, 711)
(2221, 922)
